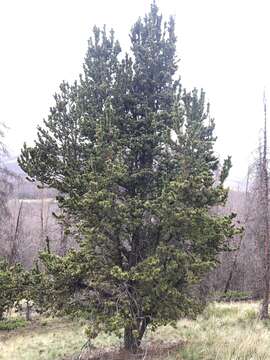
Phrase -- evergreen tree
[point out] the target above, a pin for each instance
(132, 157)
(11, 285)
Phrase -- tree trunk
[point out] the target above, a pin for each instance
(28, 311)
(266, 261)
(264, 307)
(228, 282)
(13, 257)
(131, 342)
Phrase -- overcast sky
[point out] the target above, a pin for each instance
(223, 46)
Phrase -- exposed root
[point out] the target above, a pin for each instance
(153, 350)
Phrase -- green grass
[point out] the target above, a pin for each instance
(49, 341)
(232, 295)
(225, 331)
(12, 324)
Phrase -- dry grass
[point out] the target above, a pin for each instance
(154, 350)
(47, 340)
(224, 332)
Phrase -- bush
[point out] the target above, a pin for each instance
(232, 295)
(12, 324)
(11, 285)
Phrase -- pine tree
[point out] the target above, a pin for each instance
(132, 157)
(11, 285)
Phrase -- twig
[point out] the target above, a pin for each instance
(87, 346)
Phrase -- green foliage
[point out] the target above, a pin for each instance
(12, 324)
(131, 154)
(11, 285)
(232, 295)
(33, 291)
(17, 286)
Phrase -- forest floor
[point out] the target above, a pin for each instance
(225, 331)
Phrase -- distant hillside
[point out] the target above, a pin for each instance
(23, 188)
(12, 165)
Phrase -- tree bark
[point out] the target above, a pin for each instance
(264, 307)
(130, 341)
(13, 257)
(228, 282)
(28, 311)
(246, 219)
(266, 261)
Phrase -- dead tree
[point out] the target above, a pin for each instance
(245, 221)
(44, 217)
(15, 240)
(6, 187)
(5, 179)
(265, 205)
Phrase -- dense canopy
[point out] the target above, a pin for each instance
(131, 155)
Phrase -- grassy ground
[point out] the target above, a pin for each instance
(45, 340)
(226, 331)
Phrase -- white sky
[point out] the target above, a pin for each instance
(224, 47)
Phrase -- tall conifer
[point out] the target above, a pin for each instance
(131, 154)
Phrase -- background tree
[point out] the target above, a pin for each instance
(132, 157)
(11, 285)
(5, 189)
(260, 215)
(266, 228)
